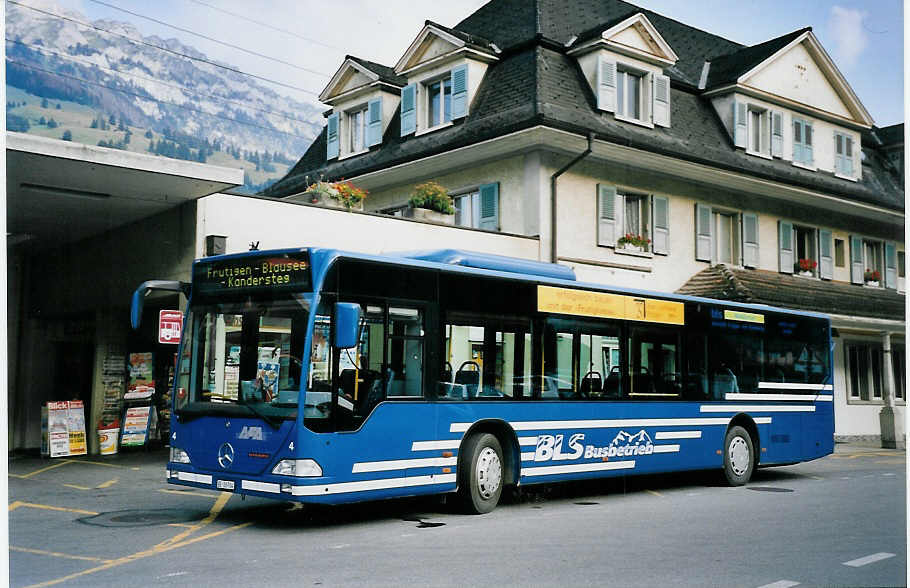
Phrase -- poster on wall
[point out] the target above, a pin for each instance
(141, 373)
(267, 370)
(135, 426)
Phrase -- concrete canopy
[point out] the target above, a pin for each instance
(59, 192)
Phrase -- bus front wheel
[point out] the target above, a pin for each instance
(480, 473)
(739, 456)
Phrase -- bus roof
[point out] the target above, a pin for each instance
(501, 266)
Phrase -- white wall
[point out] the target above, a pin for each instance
(276, 224)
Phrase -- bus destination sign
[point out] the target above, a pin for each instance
(254, 273)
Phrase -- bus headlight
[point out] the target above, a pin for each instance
(179, 455)
(299, 468)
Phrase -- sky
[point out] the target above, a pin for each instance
(864, 37)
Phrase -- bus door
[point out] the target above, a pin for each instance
(655, 367)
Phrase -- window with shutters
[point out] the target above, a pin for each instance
(843, 155)
(804, 241)
(899, 367)
(839, 255)
(478, 209)
(631, 91)
(726, 239)
(439, 101)
(802, 142)
(759, 132)
(873, 263)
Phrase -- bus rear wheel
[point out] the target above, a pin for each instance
(480, 473)
(739, 456)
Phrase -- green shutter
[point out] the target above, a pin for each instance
(408, 109)
(489, 207)
(606, 84)
(459, 91)
(856, 260)
(331, 137)
(825, 255)
(704, 233)
(750, 239)
(661, 213)
(785, 246)
(374, 122)
(606, 215)
(890, 265)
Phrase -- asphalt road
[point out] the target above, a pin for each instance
(113, 521)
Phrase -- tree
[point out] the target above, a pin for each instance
(41, 121)
(94, 124)
(44, 103)
(52, 124)
(17, 123)
(67, 135)
(112, 120)
(148, 134)
(58, 106)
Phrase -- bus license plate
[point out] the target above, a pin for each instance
(224, 484)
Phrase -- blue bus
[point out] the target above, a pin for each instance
(323, 376)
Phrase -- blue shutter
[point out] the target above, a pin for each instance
(807, 143)
(740, 124)
(408, 109)
(374, 122)
(785, 246)
(857, 273)
(777, 134)
(825, 255)
(606, 84)
(704, 233)
(798, 141)
(848, 156)
(489, 207)
(459, 91)
(606, 216)
(331, 137)
(661, 213)
(890, 265)
(750, 240)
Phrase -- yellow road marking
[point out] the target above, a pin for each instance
(77, 487)
(185, 525)
(19, 503)
(100, 463)
(107, 484)
(140, 555)
(44, 469)
(654, 492)
(57, 554)
(213, 514)
(185, 492)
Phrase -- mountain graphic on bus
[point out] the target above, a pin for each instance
(624, 439)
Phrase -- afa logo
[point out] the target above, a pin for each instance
(254, 433)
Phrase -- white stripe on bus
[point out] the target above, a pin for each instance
(666, 448)
(366, 485)
(527, 440)
(581, 467)
(754, 408)
(191, 477)
(528, 455)
(788, 386)
(601, 424)
(432, 445)
(762, 420)
(677, 435)
(778, 397)
(260, 486)
(402, 464)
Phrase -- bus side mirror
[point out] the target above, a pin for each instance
(347, 324)
(143, 290)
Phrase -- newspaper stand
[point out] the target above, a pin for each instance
(139, 417)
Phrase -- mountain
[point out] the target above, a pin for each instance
(104, 89)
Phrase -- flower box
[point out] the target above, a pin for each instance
(432, 216)
(631, 247)
(873, 283)
(806, 274)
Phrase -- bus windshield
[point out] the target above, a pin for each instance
(247, 351)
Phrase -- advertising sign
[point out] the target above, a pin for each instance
(135, 426)
(65, 428)
(170, 325)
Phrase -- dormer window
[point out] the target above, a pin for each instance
(630, 94)
(802, 141)
(759, 142)
(843, 155)
(357, 125)
(439, 102)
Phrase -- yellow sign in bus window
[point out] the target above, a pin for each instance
(606, 305)
(745, 317)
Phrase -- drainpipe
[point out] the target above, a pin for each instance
(553, 178)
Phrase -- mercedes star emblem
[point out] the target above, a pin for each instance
(226, 456)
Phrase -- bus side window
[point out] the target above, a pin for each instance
(485, 362)
(654, 364)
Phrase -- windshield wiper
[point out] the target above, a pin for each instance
(275, 424)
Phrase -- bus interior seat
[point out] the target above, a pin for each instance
(447, 374)
(591, 384)
(613, 384)
(470, 378)
(723, 383)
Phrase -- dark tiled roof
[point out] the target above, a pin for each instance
(385, 73)
(891, 135)
(471, 40)
(776, 289)
(535, 83)
(726, 69)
